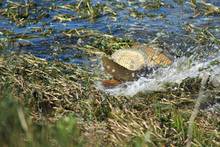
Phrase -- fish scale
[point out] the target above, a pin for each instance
(130, 64)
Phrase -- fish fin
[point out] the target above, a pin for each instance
(110, 83)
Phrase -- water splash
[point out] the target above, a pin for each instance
(181, 69)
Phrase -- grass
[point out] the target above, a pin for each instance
(17, 128)
(51, 105)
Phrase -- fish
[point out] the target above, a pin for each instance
(110, 83)
(117, 71)
(123, 74)
(148, 58)
(155, 57)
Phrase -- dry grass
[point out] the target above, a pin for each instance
(52, 90)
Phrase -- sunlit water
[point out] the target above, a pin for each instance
(140, 29)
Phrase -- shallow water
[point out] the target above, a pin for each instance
(191, 39)
(167, 21)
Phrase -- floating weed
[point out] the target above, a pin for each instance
(155, 4)
(137, 14)
(85, 10)
(204, 8)
(23, 14)
(179, 2)
(64, 17)
(96, 42)
(109, 44)
(202, 35)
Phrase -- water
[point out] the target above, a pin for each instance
(186, 37)
(181, 69)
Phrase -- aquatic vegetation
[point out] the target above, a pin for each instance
(24, 13)
(202, 35)
(85, 10)
(50, 93)
(136, 14)
(204, 8)
(52, 90)
(96, 42)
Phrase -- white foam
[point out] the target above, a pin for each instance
(181, 69)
